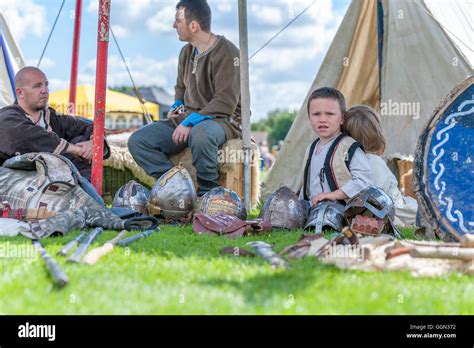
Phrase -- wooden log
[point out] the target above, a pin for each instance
(369, 244)
(466, 254)
(467, 241)
(391, 253)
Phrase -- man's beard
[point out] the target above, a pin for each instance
(40, 106)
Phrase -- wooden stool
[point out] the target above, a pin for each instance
(231, 168)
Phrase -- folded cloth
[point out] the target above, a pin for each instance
(11, 227)
(227, 225)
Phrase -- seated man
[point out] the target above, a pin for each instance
(207, 108)
(29, 125)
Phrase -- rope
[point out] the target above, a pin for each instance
(51, 33)
(147, 117)
(282, 29)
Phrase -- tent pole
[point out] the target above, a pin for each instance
(245, 97)
(100, 93)
(75, 57)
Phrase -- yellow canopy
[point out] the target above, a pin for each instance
(115, 102)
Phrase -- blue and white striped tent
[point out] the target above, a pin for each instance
(11, 60)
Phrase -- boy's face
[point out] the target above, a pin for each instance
(325, 117)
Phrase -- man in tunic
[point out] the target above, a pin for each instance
(30, 125)
(206, 112)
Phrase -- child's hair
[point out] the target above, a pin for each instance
(363, 124)
(329, 93)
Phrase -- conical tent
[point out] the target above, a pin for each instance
(11, 60)
(401, 57)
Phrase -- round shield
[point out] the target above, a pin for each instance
(444, 165)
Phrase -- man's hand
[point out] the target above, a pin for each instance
(86, 147)
(75, 150)
(176, 112)
(181, 134)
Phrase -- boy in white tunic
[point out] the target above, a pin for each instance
(335, 167)
(363, 124)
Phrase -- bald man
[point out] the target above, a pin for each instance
(29, 125)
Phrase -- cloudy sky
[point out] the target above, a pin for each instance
(280, 74)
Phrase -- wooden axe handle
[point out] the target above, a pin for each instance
(95, 254)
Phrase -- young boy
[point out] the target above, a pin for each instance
(335, 167)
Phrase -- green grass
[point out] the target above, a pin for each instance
(178, 272)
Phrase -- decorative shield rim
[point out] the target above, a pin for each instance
(441, 227)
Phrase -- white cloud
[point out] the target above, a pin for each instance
(145, 72)
(268, 96)
(162, 20)
(224, 6)
(24, 18)
(58, 84)
(93, 6)
(266, 14)
(46, 62)
(131, 9)
(283, 71)
(120, 31)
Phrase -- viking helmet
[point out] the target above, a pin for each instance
(132, 196)
(173, 196)
(326, 214)
(283, 209)
(222, 200)
(372, 202)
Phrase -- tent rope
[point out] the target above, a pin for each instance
(50, 34)
(442, 26)
(282, 29)
(147, 117)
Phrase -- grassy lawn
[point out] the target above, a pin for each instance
(178, 272)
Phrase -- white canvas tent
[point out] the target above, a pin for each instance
(401, 57)
(11, 60)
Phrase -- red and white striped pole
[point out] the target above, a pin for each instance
(100, 90)
(75, 57)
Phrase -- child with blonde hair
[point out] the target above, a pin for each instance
(363, 124)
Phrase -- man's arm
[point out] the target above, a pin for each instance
(20, 135)
(180, 88)
(69, 127)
